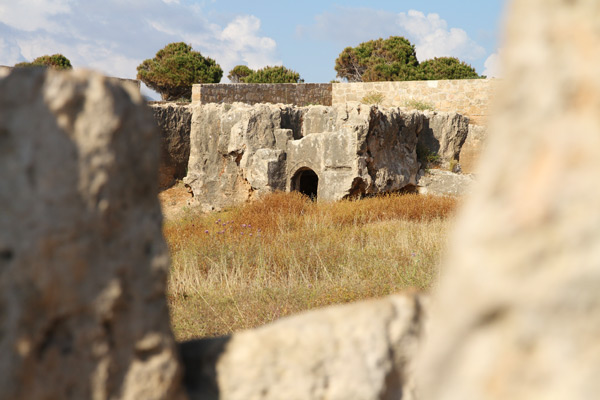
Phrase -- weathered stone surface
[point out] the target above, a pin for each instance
(472, 148)
(300, 94)
(517, 312)
(82, 259)
(358, 351)
(470, 97)
(444, 134)
(445, 183)
(240, 151)
(224, 164)
(174, 121)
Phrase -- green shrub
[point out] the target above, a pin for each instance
(239, 73)
(174, 70)
(395, 59)
(390, 59)
(447, 68)
(56, 61)
(277, 74)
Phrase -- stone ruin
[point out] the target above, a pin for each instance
(239, 152)
(514, 316)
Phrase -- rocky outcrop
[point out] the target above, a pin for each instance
(82, 259)
(359, 351)
(239, 152)
(517, 311)
(472, 148)
(174, 121)
(445, 183)
(443, 135)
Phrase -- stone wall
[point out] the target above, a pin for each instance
(470, 97)
(300, 94)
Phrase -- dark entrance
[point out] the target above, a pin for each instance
(306, 181)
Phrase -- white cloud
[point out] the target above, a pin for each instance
(432, 37)
(492, 66)
(239, 42)
(30, 15)
(115, 36)
(429, 33)
(243, 43)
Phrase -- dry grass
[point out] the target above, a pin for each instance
(373, 98)
(419, 105)
(247, 266)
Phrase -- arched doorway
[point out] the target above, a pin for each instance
(306, 181)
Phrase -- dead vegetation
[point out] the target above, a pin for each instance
(283, 254)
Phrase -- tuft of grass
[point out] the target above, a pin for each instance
(373, 98)
(427, 157)
(283, 254)
(419, 105)
(453, 165)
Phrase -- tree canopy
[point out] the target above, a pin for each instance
(446, 68)
(276, 74)
(56, 61)
(174, 70)
(395, 59)
(238, 73)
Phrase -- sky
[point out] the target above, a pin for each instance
(115, 36)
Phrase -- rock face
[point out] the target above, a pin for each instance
(472, 148)
(358, 351)
(444, 134)
(240, 151)
(517, 312)
(82, 258)
(445, 183)
(174, 121)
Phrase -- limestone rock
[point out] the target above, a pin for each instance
(444, 134)
(82, 258)
(4, 71)
(472, 148)
(358, 351)
(517, 312)
(174, 121)
(445, 183)
(223, 163)
(239, 151)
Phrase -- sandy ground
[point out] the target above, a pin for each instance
(174, 200)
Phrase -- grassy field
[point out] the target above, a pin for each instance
(250, 265)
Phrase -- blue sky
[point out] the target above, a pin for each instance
(114, 36)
